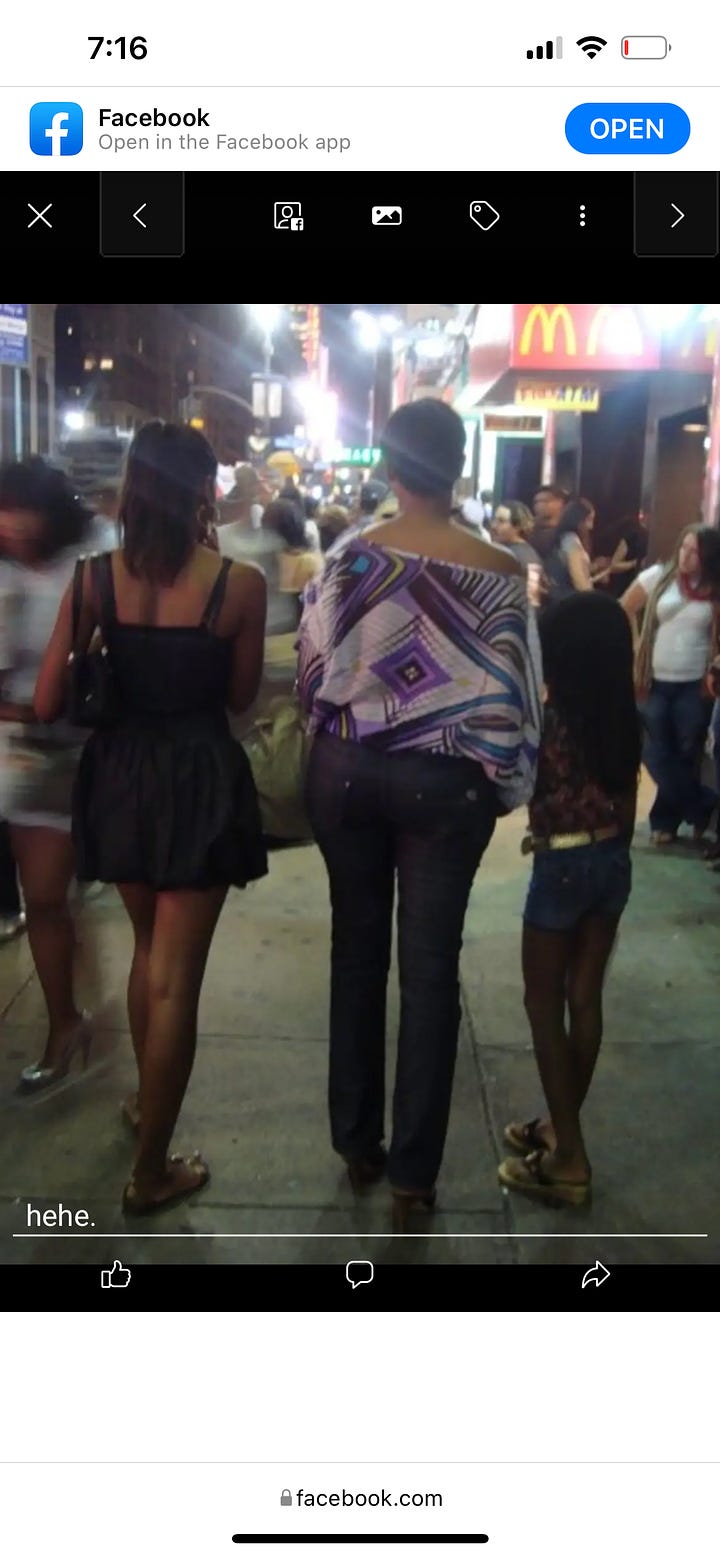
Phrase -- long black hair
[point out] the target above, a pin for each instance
(35, 486)
(588, 664)
(574, 514)
(169, 468)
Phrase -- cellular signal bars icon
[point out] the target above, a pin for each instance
(547, 51)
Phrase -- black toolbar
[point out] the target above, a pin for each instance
(179, 219)
(604, 1282)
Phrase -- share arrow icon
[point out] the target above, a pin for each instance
(597, 1274)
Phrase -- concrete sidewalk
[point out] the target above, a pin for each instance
(256, 1103)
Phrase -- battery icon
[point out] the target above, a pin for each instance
(650, 47)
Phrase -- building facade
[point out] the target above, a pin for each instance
(121, 364)
(27, 387)
(619, 395)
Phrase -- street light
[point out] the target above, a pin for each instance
(375, 331)
(267, 317)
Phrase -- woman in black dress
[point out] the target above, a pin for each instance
(165, 805)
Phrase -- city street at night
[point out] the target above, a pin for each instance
(256, 1103)
(368, 581)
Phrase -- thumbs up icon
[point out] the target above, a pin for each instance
(117, 1277)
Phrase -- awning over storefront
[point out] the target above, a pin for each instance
(575, 344)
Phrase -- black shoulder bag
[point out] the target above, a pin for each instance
(92, 689)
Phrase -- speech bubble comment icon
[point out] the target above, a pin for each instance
(359, 1272)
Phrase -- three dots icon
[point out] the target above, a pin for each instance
(582, 216)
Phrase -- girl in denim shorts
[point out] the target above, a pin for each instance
(582, 818)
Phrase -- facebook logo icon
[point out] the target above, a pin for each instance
(56, 129)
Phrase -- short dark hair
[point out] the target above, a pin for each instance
(554, 491)
(168, 470)
(37, 487)
(372, 494)
(424, 447)
(285, 519)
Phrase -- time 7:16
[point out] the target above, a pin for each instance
(135, 47)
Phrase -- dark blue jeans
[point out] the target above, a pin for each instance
(676, 718)
(425, 823)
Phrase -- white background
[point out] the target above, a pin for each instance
(636, 1511)
(389, 41)
(413, 86)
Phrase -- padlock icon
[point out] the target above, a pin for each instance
(286, 1498)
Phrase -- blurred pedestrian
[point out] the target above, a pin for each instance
(566, 562)
(105, 531)
(678, 602)
(512, 525)
(43, 526)
(297, 563)
(333, 520)
(582, 818)
(165, 805)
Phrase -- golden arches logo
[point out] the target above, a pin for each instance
(628, 329)
(711, 342)
(549, 323)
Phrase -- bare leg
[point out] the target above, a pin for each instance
(46, 864)
(546, 961)
(140, 904)
(594, 941)
(183, 930)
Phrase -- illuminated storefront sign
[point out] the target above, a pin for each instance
(694, 351)
(557, 397)
(582, 335)
(493, 423)
(358, 456)
(14, 336)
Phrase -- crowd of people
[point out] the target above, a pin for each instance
(449, 670)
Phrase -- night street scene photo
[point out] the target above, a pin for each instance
(359, 786)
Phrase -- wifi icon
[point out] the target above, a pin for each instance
(591, 46)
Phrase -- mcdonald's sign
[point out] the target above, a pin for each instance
(580, 336)
(548, 320)
(695, 352)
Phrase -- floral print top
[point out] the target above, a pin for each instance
(565, 799)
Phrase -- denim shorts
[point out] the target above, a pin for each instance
(567, 884)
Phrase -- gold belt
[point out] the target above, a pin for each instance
(531, 845)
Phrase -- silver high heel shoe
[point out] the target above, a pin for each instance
(35, 1078)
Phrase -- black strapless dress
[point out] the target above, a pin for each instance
(165, 797)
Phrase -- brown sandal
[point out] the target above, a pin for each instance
(524, 1138)
(527, 1176)
(134, 1205)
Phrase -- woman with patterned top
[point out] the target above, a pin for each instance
(582, 818)
(418, 676)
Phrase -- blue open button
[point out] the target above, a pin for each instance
(607, 129)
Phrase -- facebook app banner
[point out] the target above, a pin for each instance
(56, 129)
